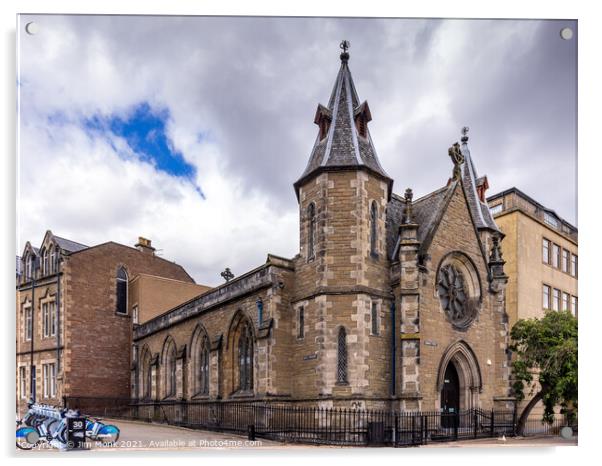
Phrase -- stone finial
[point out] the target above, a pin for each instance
(345, 44)
(408, 215)
(227, 274)
(457, 157)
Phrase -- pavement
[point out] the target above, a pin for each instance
(547, 441)
(143, 436)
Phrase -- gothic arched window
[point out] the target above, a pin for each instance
(169, 363)
(373, 227)
(202, 375)
(121, 291)
(311, 233)
(245, 358)
(145, 375)
(53, 268)
(28, 266)
(342, 356)
(45, 268)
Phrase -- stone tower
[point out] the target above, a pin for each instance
(343, 266)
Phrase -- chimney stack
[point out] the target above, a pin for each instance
(144, 245)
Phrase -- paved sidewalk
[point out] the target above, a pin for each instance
(548, 441)
(143, 436)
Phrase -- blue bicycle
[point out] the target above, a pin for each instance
(97, 430)
(44, 423)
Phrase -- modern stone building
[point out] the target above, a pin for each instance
(74, 331)
(390, 303)
(541, 254)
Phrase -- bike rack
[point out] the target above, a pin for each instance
(64, 429)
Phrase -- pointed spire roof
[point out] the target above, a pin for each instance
(344, 140)
(480, 211)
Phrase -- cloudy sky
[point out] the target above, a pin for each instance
(190, 131)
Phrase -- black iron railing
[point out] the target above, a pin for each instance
(311, 424)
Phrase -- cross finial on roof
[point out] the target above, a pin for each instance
(345, 44)
(465, 134)
(227, 274)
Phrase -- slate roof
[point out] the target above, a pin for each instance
(68, 245)
(343, 146)
(480, 211)
(427, 212)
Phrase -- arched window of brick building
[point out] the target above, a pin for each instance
(342, 356)
(44, 255)
(245, 358)
(52, 262)
(122, 291)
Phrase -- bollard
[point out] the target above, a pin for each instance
(251, 432)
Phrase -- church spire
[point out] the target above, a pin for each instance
(475, 186)
(343, 139)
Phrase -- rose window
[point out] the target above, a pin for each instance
(454, 295)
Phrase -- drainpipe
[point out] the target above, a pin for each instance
(32, 375)
(393, 348)
(58, 315)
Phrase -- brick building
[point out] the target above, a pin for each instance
(74, 331)
(390, 303)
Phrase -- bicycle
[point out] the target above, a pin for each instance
(97, 430)
(43, 423)
(27, 436)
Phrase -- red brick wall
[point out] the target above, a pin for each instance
(98, 350)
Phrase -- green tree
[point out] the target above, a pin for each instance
(545, 347)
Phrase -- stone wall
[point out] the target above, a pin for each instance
(219, 315)
(486, 336)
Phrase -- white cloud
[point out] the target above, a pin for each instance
(241, 93)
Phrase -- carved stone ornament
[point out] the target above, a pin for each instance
(457, 157)
(453, 293)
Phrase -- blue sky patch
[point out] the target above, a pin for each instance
(144, 130)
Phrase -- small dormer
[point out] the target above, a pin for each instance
(362, 116)
(49, 255)
(482, 187)
(30, 262)
(323, 119)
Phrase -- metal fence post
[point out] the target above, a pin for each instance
(492, 424)
(474, 423)
(456, 424)
(514, 421)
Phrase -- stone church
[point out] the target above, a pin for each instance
(391, 303)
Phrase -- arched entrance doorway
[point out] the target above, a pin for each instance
(450, 396)
(459, 379)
